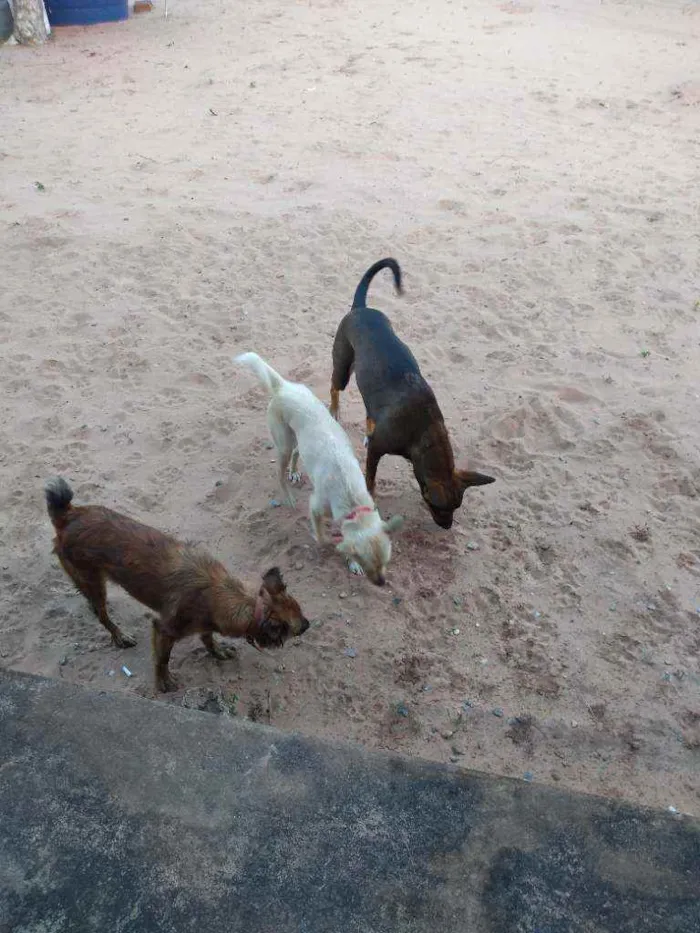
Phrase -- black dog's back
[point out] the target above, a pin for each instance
(387, 372)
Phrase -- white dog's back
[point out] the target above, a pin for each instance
(323, 444)
(296, 416)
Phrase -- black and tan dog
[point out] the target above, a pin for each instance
(403, 416)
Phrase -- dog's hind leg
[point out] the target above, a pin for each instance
(285, 442)
(294, 475)
(343, 362)
(92, 585)
(220, 652)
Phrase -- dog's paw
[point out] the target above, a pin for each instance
(224, 652)
(355, 568)
(122, 640)
(167, 684)
(295, 478)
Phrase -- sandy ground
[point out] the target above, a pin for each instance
(173, 192)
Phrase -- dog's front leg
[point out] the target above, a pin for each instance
(220, 652)
(162, 646)
(316, 515)
(373, 458)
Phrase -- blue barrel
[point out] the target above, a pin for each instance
(86, 12)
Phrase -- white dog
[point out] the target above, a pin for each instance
(301, 424)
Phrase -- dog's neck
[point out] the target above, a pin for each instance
(242, 614)
(358, 510)
(256, 622)
(433, 451)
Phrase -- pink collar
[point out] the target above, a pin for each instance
(359, 510)
(337, 537)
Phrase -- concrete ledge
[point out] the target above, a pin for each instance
(121, 814)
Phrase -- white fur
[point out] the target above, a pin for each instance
(301, 425)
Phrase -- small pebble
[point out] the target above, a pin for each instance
(219, 482)
(402, 710)
(350, 653)
(574, 724)
(528, 776)
(110, 673)
(537, 614)
(299, 565)
(342, 595)
(275, 503)
(613, 607)
(472, 546)
(64, 660)
(427, 689)
(456, 600)
(396, 600)
(467, 704)
(126, 671)
(497, 712)
(454, 631)
(447, 735)
(672, 810)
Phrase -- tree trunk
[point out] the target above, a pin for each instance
(30, 22)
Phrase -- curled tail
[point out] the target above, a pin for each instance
(59, 496)
(272, 381)
(360, 299)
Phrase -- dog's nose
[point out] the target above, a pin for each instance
(304, 625)
(444, 521)
(381, 580)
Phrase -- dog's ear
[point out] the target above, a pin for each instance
(273, 582)
(394, 523)
(466, 478)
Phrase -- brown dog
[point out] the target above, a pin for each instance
(403, 416)
(193, 593)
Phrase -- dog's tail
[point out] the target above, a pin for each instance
(272, 381)
(59, 496)
(360, 299)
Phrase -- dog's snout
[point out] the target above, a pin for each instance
(443, 519)
(380, 579)
(304, 625)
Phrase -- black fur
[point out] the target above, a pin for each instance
(360, 299)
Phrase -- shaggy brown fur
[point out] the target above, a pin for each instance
(192, 593)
